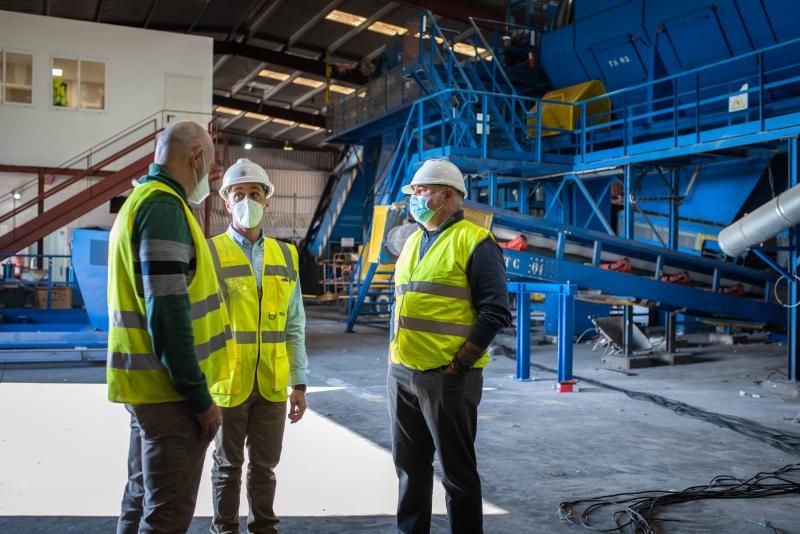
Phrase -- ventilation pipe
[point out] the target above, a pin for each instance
(780, 213)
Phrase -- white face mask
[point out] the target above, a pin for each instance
(201, 188)
(247, 213)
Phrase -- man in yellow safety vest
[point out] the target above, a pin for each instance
(260, 285)
(169, 341)
(450, 301)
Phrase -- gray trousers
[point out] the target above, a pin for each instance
(165, 463)
(259, 424)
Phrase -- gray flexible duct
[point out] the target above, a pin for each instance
(778, 214)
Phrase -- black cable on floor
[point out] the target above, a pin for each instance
(635, 512)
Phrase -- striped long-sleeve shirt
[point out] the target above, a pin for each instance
(164, 263)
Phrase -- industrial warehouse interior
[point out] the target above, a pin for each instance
(325, 266)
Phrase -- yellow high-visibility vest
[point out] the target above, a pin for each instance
(135, 373)
(433, 311)
(259, 327)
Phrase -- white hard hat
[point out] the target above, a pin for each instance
(437, 172)
(245, 171)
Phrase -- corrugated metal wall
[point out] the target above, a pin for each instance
(275, 158)
(299, 178)
(296, 197)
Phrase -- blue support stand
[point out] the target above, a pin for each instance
(566, 317)
(566, 312)
(523, 372)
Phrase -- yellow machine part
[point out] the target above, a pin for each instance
(480, 217)
(385, 271)
(568, 117)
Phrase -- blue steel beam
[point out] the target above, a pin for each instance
(692, 300)
(623, 246)
(627, 311)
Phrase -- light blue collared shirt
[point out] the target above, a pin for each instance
(295, 315)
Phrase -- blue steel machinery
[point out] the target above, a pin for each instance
(76, 331)
(664, 123)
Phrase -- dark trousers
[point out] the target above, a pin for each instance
(434, 411)
(165, 463)
(259, 424)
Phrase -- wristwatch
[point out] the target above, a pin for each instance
(460, 366)
(299, 387)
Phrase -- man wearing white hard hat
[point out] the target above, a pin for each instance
(259, 280)
(450, 301)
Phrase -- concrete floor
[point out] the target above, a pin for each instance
(63, 447)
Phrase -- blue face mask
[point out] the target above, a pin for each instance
(418, 206)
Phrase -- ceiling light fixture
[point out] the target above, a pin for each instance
(387, 29)
(345, 18)
(227, 111)
(287, 147)
(58, 72)
(257, 116)
(467, 50)
(248, 146)
(281, 76)
(341, 89)
(308, 82)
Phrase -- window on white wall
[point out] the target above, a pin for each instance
(17, 79)
(65, 82)
(93, 85)
(78, 83)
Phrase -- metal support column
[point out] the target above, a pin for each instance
(493, 190)
(523, 361)
(40, 211)
(793, 323)
(566, 321)
(362, 292)
(674, 189)
(627, 328)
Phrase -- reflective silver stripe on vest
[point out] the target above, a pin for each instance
(204, 350)
(133, 362)
(432, 288)
(235, 271)
(271, 336)
(435, 327)
(204, 307)
(246, 337)
(277, 270)
(287, 256)
(128, 319)
(218, 268)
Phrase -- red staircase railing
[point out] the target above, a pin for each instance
(74, 207)
(122, 157)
